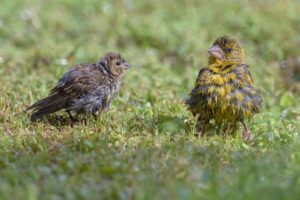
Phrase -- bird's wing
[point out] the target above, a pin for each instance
(79, 81)
(199, 88)
(202, 78)
(244, 74)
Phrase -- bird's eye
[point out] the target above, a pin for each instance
(228, 50)
(118, 63)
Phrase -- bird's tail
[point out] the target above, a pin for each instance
(47, 106)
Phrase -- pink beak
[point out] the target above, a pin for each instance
(127, 65)
(216, 52)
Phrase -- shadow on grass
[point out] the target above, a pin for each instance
(59, 121)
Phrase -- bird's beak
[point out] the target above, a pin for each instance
(216, 52)
(127, 65)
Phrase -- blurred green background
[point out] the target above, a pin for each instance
(144, 147)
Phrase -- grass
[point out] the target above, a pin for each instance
(144, 147)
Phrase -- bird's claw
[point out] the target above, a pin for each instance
(247, 136)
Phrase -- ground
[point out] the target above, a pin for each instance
(144, 147)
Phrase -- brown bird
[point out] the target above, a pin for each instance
(224, 89)
(84, 89)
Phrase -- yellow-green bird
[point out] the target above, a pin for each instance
(224, 89)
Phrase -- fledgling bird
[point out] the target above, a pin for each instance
(224, 89)
(84, 89)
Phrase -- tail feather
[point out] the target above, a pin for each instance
(44, 111)
(35, 116)
(43, 102)
(47, 106)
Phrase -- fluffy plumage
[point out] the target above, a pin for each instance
(224, 89)
(85, 88)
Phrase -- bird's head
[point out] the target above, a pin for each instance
(226, 50)
(113, 64)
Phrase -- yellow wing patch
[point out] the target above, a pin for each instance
(239, 96)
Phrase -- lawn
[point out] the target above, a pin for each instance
(144, 147)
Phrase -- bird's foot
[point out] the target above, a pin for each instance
(199, 132)
(95, 116)
(224, 133)
(72, 118)
(73, 122)
(248, 137)
(198, 128)
(59, 118)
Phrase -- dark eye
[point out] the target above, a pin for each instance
(118, 63)
(228, 50)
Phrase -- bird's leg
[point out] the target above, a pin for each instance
(71, 116)
(84, 121)
(232, 127)
(225, 129)
(73, 119)
(196, 127)
(95, 116)
(247, 132)
(200, 130)
(229, 128)
(199, 126)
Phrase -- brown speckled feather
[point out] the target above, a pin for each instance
(85, 88)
